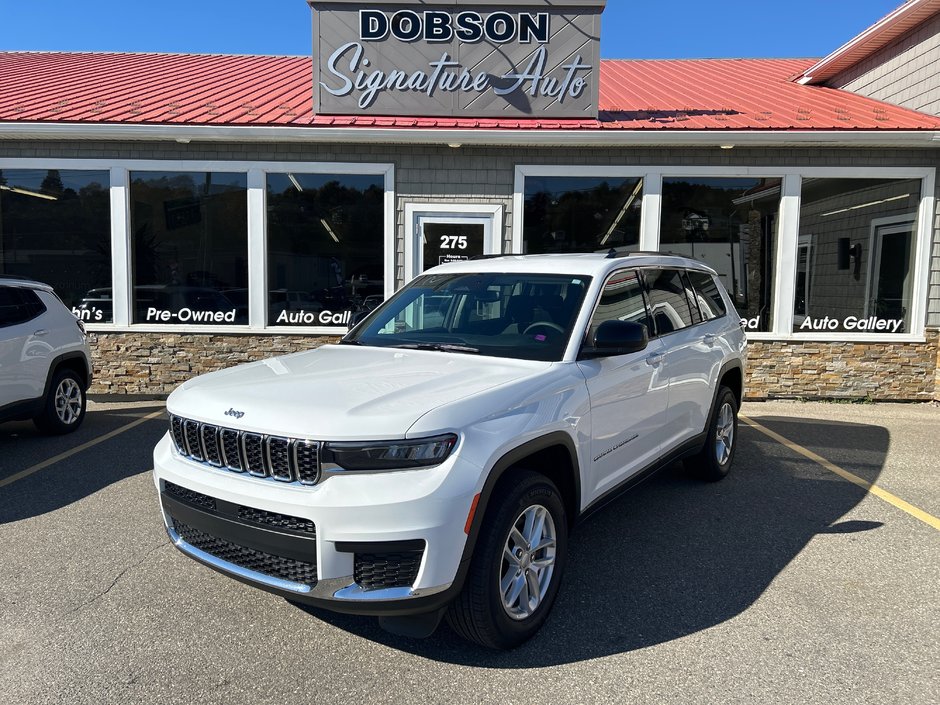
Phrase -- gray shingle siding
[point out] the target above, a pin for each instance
(905, 73)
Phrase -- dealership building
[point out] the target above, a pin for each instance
(197, 211)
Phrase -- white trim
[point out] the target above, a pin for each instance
(490, 214)
(470, 136)
(651, 216)
(121, 255)
(257, 249)
(788, 245)
(924, 233)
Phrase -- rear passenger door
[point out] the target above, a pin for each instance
(691, 358)
(628, 393)
(23, 353)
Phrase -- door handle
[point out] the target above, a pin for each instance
(655, 360)
(41, 332)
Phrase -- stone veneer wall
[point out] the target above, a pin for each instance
(876, 371)
(153, 364)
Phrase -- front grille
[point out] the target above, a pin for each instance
(249, 558)
(373, 571)
(249, 515)
(191, 497)
(277, 521)
(284, 459)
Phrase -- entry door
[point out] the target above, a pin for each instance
(441, 234)
(890, 290)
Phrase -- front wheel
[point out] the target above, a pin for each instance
(714, 460)
(64, 408)
(517, 565)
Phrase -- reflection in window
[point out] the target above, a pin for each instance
(856, 255)
(190, 248)
(730, 224)
(581, 214)
(670, 300)
(326, 248)
(55, 227)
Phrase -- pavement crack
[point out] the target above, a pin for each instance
(118, 577)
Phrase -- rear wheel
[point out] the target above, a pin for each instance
(517, 565)
(714, 460)
(64, 408)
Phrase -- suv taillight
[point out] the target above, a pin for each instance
(81, 326)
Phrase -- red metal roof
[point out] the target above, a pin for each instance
(191, 89)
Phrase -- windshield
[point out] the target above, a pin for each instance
(521, 316)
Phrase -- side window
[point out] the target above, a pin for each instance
(622, 300)
(707, 295)
(669, 302)
(34, 305)
(18, 305)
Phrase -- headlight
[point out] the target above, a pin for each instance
(389, 455)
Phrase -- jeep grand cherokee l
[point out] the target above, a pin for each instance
(434, 461)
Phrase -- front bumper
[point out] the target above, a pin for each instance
(389, 544)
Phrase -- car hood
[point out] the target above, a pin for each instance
(342, 392)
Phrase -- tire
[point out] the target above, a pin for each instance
(714, 459)
(64, 408)
(498, 618)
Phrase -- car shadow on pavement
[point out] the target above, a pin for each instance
(676, 556)
(76, 476)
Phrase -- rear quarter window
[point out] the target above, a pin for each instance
(18, 305)
(707, 295)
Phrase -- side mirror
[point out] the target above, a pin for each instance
(617, 338)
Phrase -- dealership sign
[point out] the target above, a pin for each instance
(532, 58)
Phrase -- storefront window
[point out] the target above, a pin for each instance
(55, 227)
(190, 248)
(581, 214)
(326, 247)
(730, 224)
(855, 261)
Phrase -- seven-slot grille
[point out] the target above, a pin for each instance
(284, 459)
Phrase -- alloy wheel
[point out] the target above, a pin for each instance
(724, 433)
(68, 401)
(528, 562)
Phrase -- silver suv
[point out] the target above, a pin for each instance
(45, 363)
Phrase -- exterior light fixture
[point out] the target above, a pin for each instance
(455, 145)
(727, 146)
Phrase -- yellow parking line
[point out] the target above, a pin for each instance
(891, 499)
(85, 446)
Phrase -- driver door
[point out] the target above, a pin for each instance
(629, 395)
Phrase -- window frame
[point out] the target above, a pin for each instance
(786, 255)
(256, 171)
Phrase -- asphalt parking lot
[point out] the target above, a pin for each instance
(785, 583)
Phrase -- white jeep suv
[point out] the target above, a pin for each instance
(45, 363)
(434, 461)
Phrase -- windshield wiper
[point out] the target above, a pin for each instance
(439, 347)
(350, 342)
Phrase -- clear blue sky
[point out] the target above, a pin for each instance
(644, 29)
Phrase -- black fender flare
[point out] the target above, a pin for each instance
(498, 471)
(57, 362)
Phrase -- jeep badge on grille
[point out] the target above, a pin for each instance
(236, 414)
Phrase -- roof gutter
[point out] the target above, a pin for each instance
(184, 134)
(868, 41)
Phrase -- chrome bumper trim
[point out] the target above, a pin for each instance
(253, 575)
